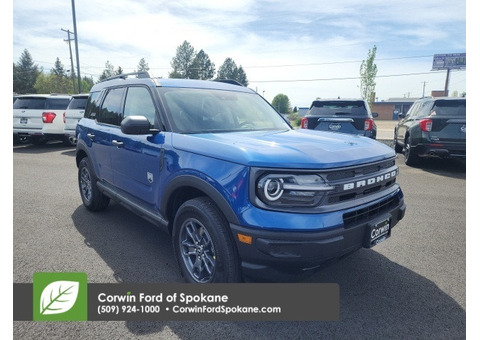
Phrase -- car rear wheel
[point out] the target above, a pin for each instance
(411, 157)
(92, 198)
(70, 141)
(398, 147)
(203, 245)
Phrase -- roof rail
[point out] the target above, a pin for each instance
(229, 81)
(141, 74)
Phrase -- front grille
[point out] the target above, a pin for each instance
(354, 183)
(359, 171)
(365, 214)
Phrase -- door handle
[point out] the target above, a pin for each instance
(117, 143)
(91, 136)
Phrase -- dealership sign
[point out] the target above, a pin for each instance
(451, 61)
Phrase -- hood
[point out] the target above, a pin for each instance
(299, 149)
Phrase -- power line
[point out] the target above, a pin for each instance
(336, 62)
(280, 65)
(340, 78)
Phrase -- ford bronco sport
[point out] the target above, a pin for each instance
(241, 193)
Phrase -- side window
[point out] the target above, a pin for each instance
(93, 105)
(139, 103)
(413, 109)
(424, 109)
(111, 111)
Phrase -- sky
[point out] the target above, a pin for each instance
(306, 49)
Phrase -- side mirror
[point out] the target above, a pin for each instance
(374, 114)
(135, 125)
(401, 115)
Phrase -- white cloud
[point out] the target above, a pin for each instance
(253, 33)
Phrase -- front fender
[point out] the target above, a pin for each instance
(182, 182)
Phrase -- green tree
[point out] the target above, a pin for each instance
(87, 84)
(183, 62)
(203, 67)
(229, 70)
(242, 76)
(25, 73)
(58, 69)
(52, 83)
(368, 72)
(142, 66)
(119, 70)
(281, 103)
(109, 71)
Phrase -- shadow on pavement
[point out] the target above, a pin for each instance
(44, 148)
(379, 299)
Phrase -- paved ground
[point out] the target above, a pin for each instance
(412, 286)
(385, 129)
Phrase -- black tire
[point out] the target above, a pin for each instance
(203, 245)
(398, 147)
(92, 198)
(70, 141)
(411, 157)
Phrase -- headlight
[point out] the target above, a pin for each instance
(291, 190)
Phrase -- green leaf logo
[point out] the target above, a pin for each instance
(58, 297)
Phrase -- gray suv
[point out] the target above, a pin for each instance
(433, 127)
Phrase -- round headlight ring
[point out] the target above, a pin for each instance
(273, 189)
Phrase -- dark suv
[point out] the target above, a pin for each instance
(433, 127)
(351, 116)
(239, 190)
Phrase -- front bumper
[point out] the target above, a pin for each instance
(289, 255)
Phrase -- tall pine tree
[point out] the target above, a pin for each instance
(25, 73)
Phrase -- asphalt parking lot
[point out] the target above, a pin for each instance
(411, 286)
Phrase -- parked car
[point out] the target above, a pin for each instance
(351, 116)
(433, 127)
(39, 117)
(240, 192)
(73, 113)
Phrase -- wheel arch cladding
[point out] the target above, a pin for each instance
(185, 187)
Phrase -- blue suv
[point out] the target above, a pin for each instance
(241, 193)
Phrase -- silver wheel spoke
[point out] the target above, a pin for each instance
(198, 252)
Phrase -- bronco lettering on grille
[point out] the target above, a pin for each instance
(370, 181)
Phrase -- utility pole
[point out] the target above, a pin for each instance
(76, 47)
(423, 95)
(445, 91)
(72, 72)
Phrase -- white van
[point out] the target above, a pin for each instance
(73, 114)
(39, 117)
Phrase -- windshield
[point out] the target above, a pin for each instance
(335, 108)
(209, 110)
(450, 108)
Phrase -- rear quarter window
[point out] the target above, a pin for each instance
(93, 105)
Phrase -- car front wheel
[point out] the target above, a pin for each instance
(203, 245)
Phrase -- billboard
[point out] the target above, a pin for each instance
(451, 61)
